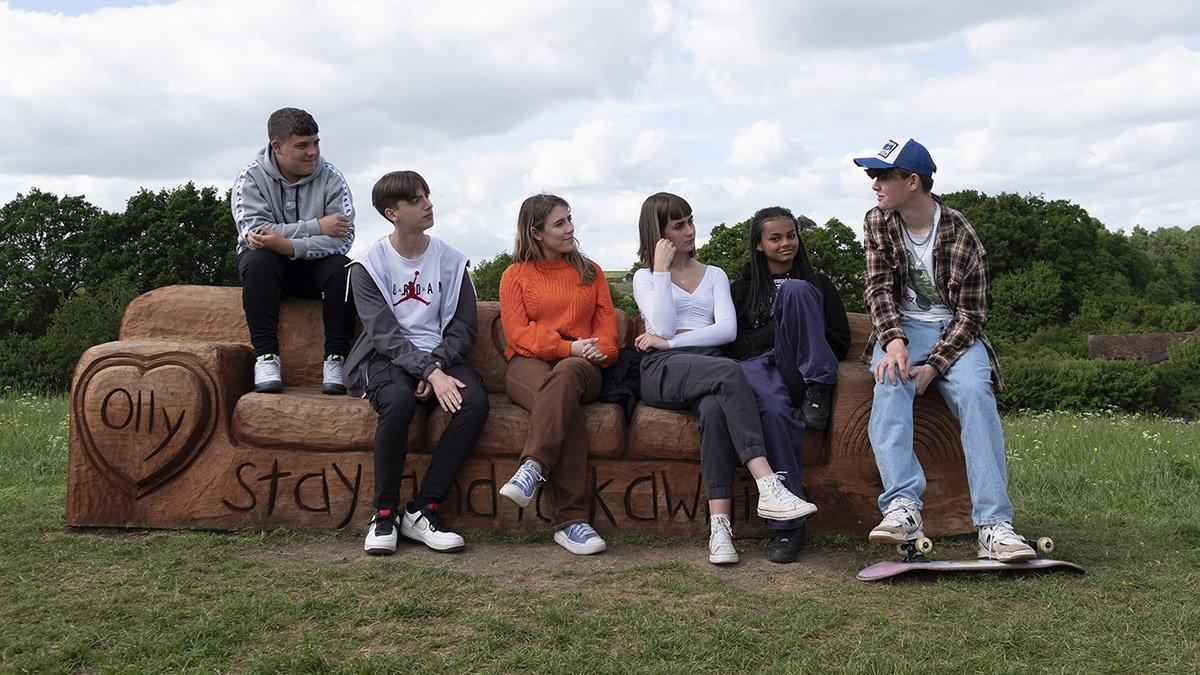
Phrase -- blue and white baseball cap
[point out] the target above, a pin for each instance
(911, 156)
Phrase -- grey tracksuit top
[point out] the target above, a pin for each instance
(262, 198)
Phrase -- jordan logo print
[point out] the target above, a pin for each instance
(410, 291)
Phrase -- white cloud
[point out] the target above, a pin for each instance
(764, 148)
(735, 107)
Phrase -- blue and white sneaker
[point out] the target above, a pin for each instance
(520, 487)
(579, 539)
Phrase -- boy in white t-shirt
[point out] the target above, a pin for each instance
(417, 306)
(927, 292)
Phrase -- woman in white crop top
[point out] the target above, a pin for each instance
(689, 314)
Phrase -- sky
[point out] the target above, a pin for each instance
(734, 106)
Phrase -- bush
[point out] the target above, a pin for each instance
(1178, 380)
(486, 276)
(85, 319)
(1048, 382)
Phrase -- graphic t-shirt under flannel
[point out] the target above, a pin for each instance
(416, 300)
(921, 301)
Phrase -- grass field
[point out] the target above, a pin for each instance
(1121, 496)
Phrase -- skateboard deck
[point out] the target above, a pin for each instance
(895, 568)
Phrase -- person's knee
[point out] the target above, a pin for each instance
(257, 266)
(886, 391)
(775, 409)
(797, 289)
(573, 371)
(394, 402)
(475, 400)
(334, 269)
(969, 392)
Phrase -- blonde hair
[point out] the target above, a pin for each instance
(532, 217)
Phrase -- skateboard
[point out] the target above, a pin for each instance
(914, 560)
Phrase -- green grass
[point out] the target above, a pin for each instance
(1119, 494)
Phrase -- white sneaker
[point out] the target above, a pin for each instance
(268, 377)
(331, 375)
(579, 539)
(901, 522)
(776, 502)
(381, 535)
(999, 542)
(720, 541)
(425, 526)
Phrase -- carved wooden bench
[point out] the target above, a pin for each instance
(165, 432)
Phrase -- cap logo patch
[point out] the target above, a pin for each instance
(888, 148)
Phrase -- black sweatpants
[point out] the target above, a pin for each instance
(392, 393)
(714, 387)
(268, 276)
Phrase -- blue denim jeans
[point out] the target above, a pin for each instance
(967, 389)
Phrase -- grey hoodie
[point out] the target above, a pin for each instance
(262, 198)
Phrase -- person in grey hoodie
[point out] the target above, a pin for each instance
(295, 223)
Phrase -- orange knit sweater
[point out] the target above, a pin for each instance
(543, 308)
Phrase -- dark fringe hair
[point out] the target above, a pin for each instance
(657, 210)
(395, 186)
(762, 287)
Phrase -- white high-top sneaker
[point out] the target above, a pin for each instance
(720, 541)
(901, 522)
(776, 502)
(331, 375)
(268, 376)
(999, 542)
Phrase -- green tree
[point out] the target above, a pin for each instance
(833, 249)
(40, 261)
(726, 248)
(178, 236)
(486, 276)
(1025, 301)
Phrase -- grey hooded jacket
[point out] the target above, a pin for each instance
(262, 198)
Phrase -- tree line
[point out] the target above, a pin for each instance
(1058, 275)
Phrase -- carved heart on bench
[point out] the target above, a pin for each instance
(144, 419)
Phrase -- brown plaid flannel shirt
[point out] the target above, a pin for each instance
(960, 276)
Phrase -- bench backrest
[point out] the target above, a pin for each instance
(214, 314)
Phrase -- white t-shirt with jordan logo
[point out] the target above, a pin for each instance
(921, 301)
(416, 295)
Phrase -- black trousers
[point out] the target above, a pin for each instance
(392, 392)
(268, 276)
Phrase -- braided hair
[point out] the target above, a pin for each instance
(762, 286)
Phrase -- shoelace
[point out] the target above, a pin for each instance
(580, 531)
(898, 512)
(383, 526)
(778, 489)
(526, 478)
(721, 527)
(1003, 533)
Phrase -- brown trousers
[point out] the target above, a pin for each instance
(554, 394)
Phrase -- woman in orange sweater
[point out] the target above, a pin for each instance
(561, 329)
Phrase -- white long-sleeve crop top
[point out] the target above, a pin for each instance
(706, 313)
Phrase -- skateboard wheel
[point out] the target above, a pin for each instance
(923, 545)
(902, 549)
(1045, 544)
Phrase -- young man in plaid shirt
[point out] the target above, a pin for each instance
(927, 291)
